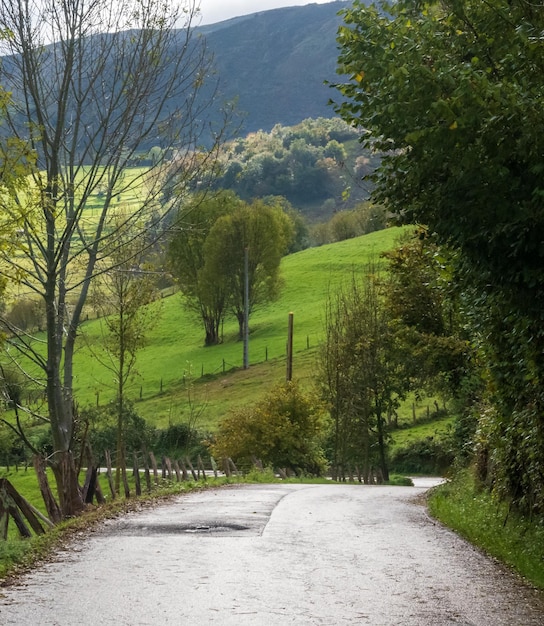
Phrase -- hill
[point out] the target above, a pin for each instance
(176, 372)
(275, 63)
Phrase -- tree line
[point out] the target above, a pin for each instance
(451, 93)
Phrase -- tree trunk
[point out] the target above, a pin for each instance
(64, 469)
(51, 505)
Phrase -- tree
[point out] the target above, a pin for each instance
(284, 430)
(204, 292)
(92, 84)
(121, 300)
(265, 231)
(361, 375)
(452, 90)
(422, 299)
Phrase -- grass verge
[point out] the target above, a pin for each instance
(489, 524)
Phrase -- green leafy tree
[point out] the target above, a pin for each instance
(361, 375)
(265, 231)
(204, 291)
(286, 429)
(452, 92)
(90, 84)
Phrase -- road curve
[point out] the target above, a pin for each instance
(274, 555)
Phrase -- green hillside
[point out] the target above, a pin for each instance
(175, 353)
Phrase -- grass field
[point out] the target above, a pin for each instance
(175, 355)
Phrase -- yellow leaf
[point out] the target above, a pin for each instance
(453, 126)
(359, 77)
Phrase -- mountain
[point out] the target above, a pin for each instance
(275, 63)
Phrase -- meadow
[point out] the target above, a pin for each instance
(176, 372)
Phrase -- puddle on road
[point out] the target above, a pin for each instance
(201, 528)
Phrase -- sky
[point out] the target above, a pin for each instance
(213, 11)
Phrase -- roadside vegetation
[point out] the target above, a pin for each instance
(415, 348)
(491, 524)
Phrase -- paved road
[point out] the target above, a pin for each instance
(273, 555)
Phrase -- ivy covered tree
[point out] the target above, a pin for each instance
(451, 92)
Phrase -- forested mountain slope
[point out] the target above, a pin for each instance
(276, 62)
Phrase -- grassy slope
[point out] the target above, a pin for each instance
(175, 344)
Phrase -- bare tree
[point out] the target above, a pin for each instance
(120, 298)
(94, 83)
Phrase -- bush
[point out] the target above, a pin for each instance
(284, 430)
(425, 456)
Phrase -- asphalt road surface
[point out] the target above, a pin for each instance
(274, 555)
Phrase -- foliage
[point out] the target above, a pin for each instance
(174, 347)
(204, 292)
(432, 455)
(89, 85)
(491, 525)
(361, 376)
(284, 430)
(310, 163)
(26, 314)
(421, 298)
(244, 250)
(400, 481)
(453, 92)
(207, 255)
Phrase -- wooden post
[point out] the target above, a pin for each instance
(137, 484)
(289, 373)
(184, 470)
(214, 466)
(226, 467)
(146, 473)
(12, 503)
(155, 469)
(109, 474)
(168, 463)
(234, 468)
(190, 465)
(51, 505)
(200, 466)
(178, 471)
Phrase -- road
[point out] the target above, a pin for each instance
(273, 555)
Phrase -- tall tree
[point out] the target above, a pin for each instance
(121, 298)
(92, 83)
(452, 90)
(361, 375)
(265, 231)
(204, 291)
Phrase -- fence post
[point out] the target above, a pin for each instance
(109, 474)
(137, 484)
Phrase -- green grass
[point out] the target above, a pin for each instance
(435, 428)
(480, 518)
(175, 353)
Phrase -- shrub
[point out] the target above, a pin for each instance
(431, 455)
(284, 430)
